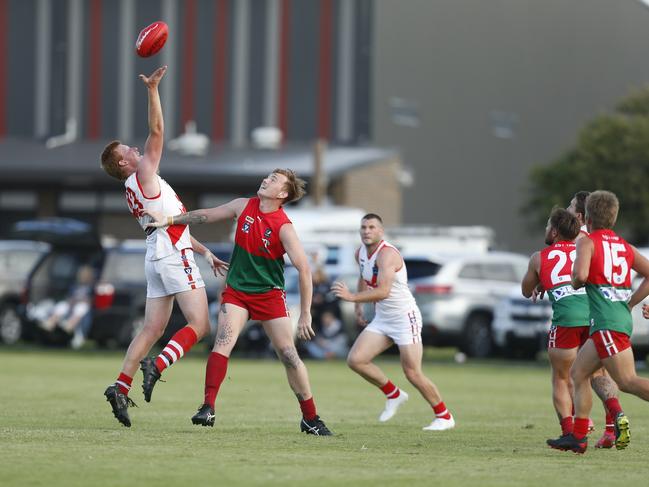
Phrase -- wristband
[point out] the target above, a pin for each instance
(170, 221)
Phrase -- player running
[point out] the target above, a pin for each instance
(169, 263)
(255, 287)
(550, 268)
(603, 265)
(384, 281)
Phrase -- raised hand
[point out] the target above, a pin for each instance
(153, 80)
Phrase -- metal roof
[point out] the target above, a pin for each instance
(77, 164)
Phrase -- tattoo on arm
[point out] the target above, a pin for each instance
(604, 387)
(191, 218)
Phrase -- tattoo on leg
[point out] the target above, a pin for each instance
(299, 396)
(224, 334)
(223, 309)
(289, 357)
(604, 387)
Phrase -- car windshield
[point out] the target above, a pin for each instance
(418, 268)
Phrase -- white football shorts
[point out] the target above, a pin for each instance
(403, 328)
(172, 274)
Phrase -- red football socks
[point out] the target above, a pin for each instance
(308, 409)
(580, 428)
(217, 366)
(610, 422)
(441, 411)
(390, 390)
(567, 425)
(124, 383)
(180, 343)
(613, 407)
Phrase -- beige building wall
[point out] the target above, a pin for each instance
(375, 188)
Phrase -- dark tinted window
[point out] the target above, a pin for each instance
(421, 268)
(471, 271)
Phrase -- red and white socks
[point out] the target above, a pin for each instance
(441, 411)
(183, 340)
(124, 382)
(390, 390)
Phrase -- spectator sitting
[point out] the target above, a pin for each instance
(71, 315)
(330, 340)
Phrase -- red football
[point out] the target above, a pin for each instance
(151, 39)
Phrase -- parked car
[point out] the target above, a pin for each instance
(120, 294)
(120, 284)
(17, 258)
(457, 296)
(520, 326)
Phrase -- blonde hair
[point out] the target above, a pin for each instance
(294, 186)
(601, 209)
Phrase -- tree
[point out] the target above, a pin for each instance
(612, 153)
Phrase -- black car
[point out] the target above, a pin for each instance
(120, 294)
(119, 298)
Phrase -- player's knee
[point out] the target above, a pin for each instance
(413, 375)
(200, 326)
(289, 357)
(626, 384)
(354, 362)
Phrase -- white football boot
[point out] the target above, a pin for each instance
(391, 406)
(440, 424)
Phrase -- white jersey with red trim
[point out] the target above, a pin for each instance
(160, 242)
(400, 300)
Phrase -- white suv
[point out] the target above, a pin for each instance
(521, 327)
(457, 296)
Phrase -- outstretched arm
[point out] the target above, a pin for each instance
(227, 211)
(298, 258)
(148, 168)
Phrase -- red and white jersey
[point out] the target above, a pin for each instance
(160, 242)
(400, 300)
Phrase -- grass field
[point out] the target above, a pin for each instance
(56, 429)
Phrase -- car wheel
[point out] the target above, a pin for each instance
(130, 329)
(477, 340)
(11, 328)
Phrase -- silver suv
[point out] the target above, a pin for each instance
(457, 296)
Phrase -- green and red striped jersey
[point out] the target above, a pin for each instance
(609, 283)
(257, 262)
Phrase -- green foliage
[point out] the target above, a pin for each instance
(612, 153)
